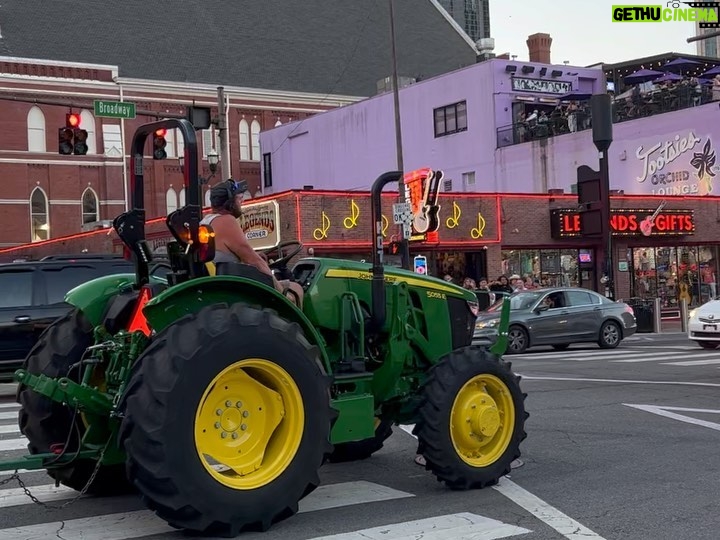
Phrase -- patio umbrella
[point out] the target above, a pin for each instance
(680, 64)
(711, 72)
(575, 96)
(669, 77)
(642, 75)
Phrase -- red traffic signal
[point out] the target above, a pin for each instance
(160, 132)
(159, 144)
(72, 120)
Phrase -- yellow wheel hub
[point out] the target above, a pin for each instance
(249, 424)
(482, 420)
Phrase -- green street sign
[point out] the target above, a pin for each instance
(114, 109)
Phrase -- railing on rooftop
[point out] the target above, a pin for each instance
(624, 109)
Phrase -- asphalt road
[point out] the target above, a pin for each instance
(621, 444)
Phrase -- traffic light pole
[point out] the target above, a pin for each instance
(601, 114)
(404, 242)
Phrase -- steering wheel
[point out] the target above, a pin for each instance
(284, 259)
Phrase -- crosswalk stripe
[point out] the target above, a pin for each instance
(9, 406)
(47, 493)
(8, 415)
(462, 526)
(660, 357)
(13, 444)
(140, 523)
(693, 362)
(9, 429)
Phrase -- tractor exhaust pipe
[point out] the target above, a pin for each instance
(378, 315)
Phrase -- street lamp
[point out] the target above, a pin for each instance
(213, 160)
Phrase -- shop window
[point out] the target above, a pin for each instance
(547, 267)
(450, 119)
(90, 206)
(674, 274)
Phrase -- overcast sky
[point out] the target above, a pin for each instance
(582, 31)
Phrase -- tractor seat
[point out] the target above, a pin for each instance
(244, 271)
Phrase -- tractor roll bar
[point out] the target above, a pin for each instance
(190, 169)
(377, 317)
(130, 226)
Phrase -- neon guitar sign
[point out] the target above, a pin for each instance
(647, 224)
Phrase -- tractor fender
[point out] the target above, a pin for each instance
(193, 295)
(92, 297)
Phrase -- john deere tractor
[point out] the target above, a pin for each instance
(218, 399)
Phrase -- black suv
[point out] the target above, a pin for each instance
(32, 297)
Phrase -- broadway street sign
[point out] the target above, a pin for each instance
(114, 109)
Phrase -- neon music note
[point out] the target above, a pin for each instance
(454, 220)
(352, 220)
(477, 232)
(321, 232)
(385, 225)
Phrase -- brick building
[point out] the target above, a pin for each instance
(478, 234)
(47, 195)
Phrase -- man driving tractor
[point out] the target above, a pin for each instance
(231, 244)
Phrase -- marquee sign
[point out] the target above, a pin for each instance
(541, 86)
(259, 222)
(624, 222)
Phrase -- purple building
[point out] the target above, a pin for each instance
(478, 125)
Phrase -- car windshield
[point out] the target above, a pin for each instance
(518, 301)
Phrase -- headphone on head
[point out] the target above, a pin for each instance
(233, 187)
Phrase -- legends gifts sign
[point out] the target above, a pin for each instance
(624, 222)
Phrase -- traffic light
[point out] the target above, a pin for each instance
(589, 192)
(159, 144)
(72, 139)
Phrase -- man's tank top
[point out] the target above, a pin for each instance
(220, 255)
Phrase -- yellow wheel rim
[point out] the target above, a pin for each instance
(482, 420)
(249, 424)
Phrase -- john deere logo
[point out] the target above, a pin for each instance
(705, 13)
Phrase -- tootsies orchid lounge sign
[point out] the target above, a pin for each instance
(623, 222)
(684, 164)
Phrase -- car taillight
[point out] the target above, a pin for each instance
(630, 310)
(474, 307)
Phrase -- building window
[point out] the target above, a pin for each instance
(171, 200)
(36, 130)
(546, 267)
(450, 119)
(182, 197)
(90, 206)
(87, 122)
(278, 123)
(207, 199)
(267, 170)
(244, 140)
(211, 140)
(39, 216)
(255, 140)
(468, 178)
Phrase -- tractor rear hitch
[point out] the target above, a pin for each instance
(66, 391)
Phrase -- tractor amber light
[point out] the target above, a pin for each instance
(138, 321)
(205, 234)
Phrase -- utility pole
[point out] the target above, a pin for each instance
(404, 242)
(224, 149)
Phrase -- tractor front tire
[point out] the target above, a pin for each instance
(227, 420)
(472, 419)
(45, 422)
(358, 450)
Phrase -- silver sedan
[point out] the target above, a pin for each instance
(558, 317)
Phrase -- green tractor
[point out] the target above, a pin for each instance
(218, 400)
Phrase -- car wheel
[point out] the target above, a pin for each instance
(610, 335)
(561, 347)
(708, 344)
(518, 340)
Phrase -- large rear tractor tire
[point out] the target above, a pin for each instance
(472, 419)
(358, 450)
(46, 423)
(227, 420)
